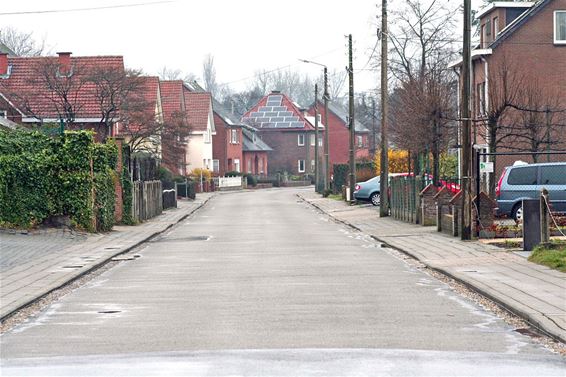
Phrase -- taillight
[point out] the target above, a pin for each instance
(498, 188)
(358, 187)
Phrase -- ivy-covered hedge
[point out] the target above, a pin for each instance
(341, 172)
(42, 176)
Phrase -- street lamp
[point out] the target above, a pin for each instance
(327, 129)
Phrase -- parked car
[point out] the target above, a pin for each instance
(524, 181)
(368, 191)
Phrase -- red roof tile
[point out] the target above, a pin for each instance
(198, 109)
(172, 98)
(24, 88)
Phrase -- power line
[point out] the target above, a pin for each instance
(85, 9)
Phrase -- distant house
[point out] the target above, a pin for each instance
(339, 134)
(288, 130)
(255, 152)
(200, 118)
(174, 152)
(228, 141)
(40, 90)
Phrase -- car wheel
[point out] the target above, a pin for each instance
(517, 213)
(375, 198)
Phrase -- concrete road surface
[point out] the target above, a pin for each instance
(259, 283)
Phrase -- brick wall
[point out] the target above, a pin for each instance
(287, 152)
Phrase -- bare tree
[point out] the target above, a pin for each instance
(111, 87)
(168, 74)
(422, 37)
(209, 75)
(21, 43)
(538, 120)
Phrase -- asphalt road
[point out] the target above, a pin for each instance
(259, 283)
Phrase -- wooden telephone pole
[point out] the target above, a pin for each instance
(351, 120)
(316, 170)
(384, 160)
(466, 215)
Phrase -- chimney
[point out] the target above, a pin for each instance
(3, 63)
(64, 63)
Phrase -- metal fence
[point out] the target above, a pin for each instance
(147, 200)
(404, 197)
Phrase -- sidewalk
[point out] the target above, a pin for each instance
(533, 292)
(34, 264)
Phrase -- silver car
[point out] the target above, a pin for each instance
(525, 182)
(368, 191)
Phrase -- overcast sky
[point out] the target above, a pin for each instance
(243, 35)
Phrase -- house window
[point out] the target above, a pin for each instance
(260, 166)
(480, 92)
(207, 136)
(3, 114)
(360, 141)
(495, 26)
(320, 141)
(215, 166)
(249, 165)
(300, 140)
(234, 136)
(237, 164)
(312, 166)
(488, 27)
(301, 166)
(560, 26)
(313, 140)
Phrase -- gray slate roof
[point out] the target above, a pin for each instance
(342, 113)
(249, 145)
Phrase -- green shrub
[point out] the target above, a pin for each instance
(105, 199)
(127, 197)
(42, 177)
(233, 174)
(251, 180)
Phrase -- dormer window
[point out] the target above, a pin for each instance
(560, 27)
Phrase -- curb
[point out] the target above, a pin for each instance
(509, 308)
(96, 266)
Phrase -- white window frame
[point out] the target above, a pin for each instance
(237, 166)
(299, 163)
(555, 18)
(320, 140)
(260, 166)
(360, 140)
(312, 166)
(301, 140)
(233, 136)
(313, 140)
(216, 166)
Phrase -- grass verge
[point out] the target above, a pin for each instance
(552, 255)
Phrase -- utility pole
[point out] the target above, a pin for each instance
(326, 132)
(316, 174)
(373, 150)
(384, 160)
(466, 215)
(351, 120)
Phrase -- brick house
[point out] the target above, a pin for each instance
(288, 130)
(254, 152)
(339, 134)
(174, 157)
(227, 143)
(522, 51)
(26, 98)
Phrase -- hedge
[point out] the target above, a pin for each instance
(341, 172)
(42, 176)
